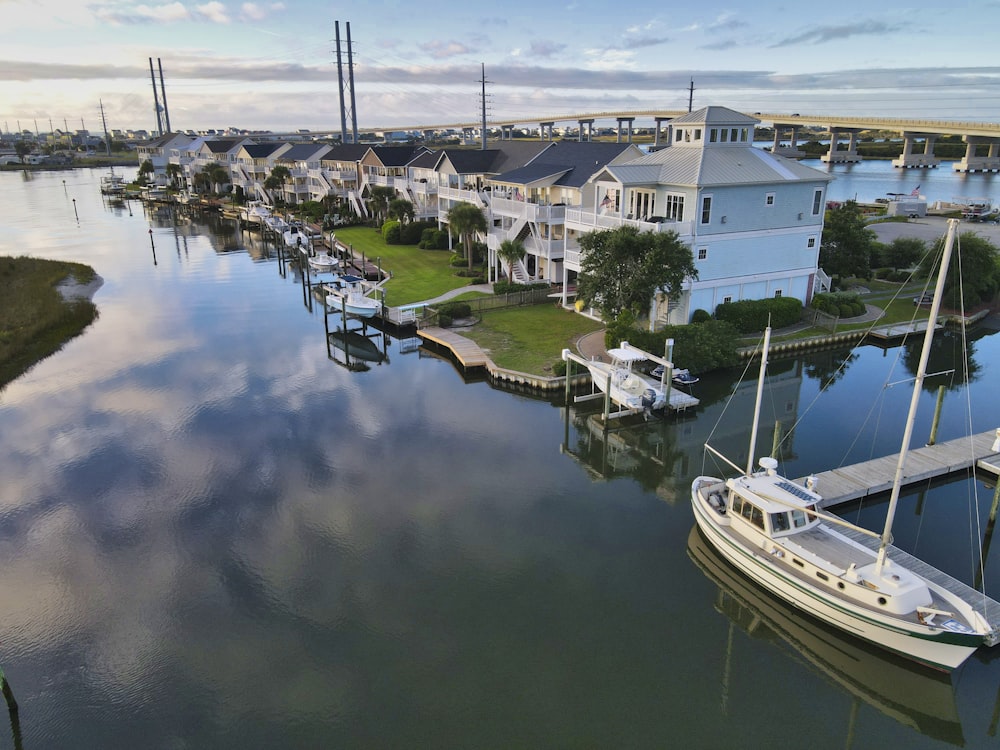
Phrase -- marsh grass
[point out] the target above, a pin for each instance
(35, 320)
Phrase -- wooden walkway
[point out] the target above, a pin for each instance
(873, 477)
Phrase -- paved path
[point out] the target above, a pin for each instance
(485, 288)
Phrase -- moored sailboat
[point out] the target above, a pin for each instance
(773, 530)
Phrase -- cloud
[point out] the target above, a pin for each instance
(214, 12)
(168, 13)
(545, 49)
(441, 50)
(822, 34)
(257, 12)
(726, 22)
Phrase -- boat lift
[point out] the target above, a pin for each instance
(677, 400)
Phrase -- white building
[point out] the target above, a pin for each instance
(752, 220)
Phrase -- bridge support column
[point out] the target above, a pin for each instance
(589, 126)
(835, 156)
(627, 121)
(790, 151)
(973, 161)
(658, 128)
(910, 160)
(506, 132)
(468, 135)
(545, 130)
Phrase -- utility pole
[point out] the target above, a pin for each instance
(156, 100)
(350, 77)
(691, 95)
(483, 81)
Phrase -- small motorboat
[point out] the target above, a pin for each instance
(679, 377)
(348, 293)
(324, 262)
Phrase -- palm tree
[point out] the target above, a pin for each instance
(510, 251)
(378, 201)
(277, 179)
(145, 169)
(401, 209)
(217, 175)
(174, 171)
(201, 182)
(466, 220)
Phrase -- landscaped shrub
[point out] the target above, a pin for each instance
(455, 309)
(510, 287)
(698, 347)
(700, 316)
(433, 239)
(412, 233)
(390, 232)
(444, 320)
(753, 315)
(839, 304)
(458, 260)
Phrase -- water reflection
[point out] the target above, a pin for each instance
(213, 535)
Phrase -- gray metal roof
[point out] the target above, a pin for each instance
(714, 116)
(714, 166)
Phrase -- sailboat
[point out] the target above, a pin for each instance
(772, 529)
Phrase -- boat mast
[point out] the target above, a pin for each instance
(925, 353)
(760, 394)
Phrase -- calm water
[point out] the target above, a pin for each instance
(214, 535)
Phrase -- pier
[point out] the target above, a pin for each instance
(849, 483)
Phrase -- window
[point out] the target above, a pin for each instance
(706, 209)
(697, 134)
(675, 207)
(727, 299)
(678, 135)
(777, 293)
(817, 202)
(779, 522)
(725, 135)
(702, 253)
(769, 199)
(799, 519)
(713, 135)
(811, 242)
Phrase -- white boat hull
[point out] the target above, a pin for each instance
(937, 647)
(363, 307)
(629, 390)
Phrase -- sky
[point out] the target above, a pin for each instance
(273, 65)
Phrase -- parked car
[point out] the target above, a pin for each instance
(924, 299)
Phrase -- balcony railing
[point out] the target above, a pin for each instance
(535, 212)
(588, 220)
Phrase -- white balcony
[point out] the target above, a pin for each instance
(588, 221)
(533, 212)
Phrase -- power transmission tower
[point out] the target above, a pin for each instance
(156, 100)
(691, 95)
(163, 93)
(483, 102)
(104, 124)
(347, 85)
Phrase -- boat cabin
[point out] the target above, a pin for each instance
(772, 504)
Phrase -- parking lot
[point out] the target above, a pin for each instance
(932, 228)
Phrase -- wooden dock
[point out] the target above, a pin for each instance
(922, 464)
(466, 351)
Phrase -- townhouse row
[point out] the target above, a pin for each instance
(752, 219)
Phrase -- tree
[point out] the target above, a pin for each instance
(22, 149)
(623, 268)
(378, 202)
(903, 252)
(847, 244)
(510, 251)
(400, 209)
(465, 220)
(201, 182)
(974, 272)
(174, 172)
(145, 170)
(217, 175)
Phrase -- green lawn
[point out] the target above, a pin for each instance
(417, 275)
(529, 339)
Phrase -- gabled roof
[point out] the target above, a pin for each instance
(426, 160)
(576, 162)
(261, 150)
(352, 152)
(537, 175)
(221, 145)
(396, 156)
(302, 152)
(469, 161)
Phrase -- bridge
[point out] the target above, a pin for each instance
(982, 139)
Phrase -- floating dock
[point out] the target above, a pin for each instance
(860, 480)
